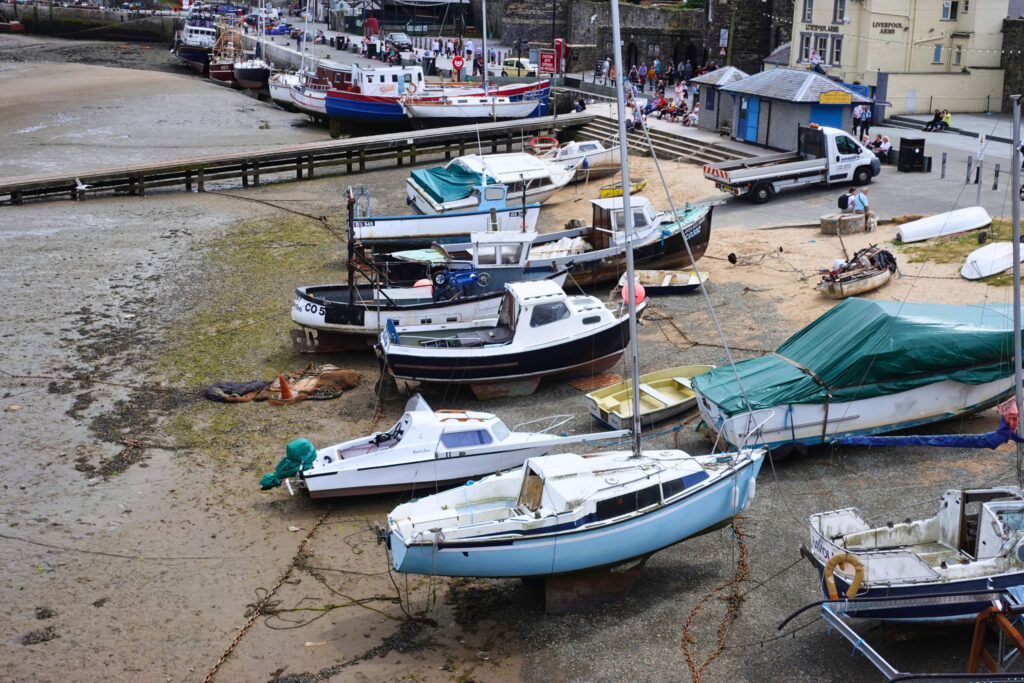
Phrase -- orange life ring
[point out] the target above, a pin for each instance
(410, 88)
(543, 144)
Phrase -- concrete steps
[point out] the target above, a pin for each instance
(666, 145)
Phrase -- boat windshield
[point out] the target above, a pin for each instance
(499, 430)
(639, 219)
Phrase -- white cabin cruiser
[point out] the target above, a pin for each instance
(426, 448)
(447, 188)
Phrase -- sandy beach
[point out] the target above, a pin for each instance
(134, 538)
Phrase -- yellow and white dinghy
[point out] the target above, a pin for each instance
(663, 394)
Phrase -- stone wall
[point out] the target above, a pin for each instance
(93, 24)
(647, 32)
(1012, 64)
(757, 27)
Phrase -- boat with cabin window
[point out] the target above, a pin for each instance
(196, 39)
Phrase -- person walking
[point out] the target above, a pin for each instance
(861, 205)
(865, 120)
(605, 70)
(856, 120)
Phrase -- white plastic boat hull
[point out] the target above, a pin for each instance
(990, 259)
(480, 109)
(948, 223)
(440, 227)
(841, 290)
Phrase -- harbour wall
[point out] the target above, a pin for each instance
(94, 24)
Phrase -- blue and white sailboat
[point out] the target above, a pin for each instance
(567, 513)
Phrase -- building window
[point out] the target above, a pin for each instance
(957, 55)
(837, 50)
(967, 3)
(821, 47)
(709, 100)
(838, 11)
(805, 47)
(808, 11)
(949, 10)
(937, 55)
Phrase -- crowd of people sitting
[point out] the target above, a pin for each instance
(880, 146)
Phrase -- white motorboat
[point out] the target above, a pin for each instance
(990, 259)
(280, 85)
(492, 212)
(428, 448)
(575, 152)
(540, 332)
(948, 223)
(447, 188)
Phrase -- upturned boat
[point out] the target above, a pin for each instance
(947, 223)
(991, 259)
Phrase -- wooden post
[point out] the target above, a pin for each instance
(16, 198)
(412, 154)
(256, 172)
(398, 155)
(348, 158)
(508, 142)
(462, 148)
(201, 182)
(309, 171)
(188, 180)
(245, 175)
(298, 168)
(142, 185)
(494, 145)
(74, 193)
(362, 160)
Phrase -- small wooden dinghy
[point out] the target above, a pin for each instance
(988, 260)
(664, 282)
(663, 394)
(615, 189)
(869, 269)
(948, 223)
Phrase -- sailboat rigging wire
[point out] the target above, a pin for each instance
(693, 262)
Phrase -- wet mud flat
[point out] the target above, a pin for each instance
(135, 542)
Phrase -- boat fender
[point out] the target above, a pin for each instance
(830, 581)
(751, 492)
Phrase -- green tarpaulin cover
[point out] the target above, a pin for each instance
(299, 455)
(861, 349)
(447, 184)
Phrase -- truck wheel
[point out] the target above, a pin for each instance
(862, 176)
(761, 193)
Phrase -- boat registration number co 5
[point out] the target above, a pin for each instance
(307, 307)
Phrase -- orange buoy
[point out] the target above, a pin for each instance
(425, 283)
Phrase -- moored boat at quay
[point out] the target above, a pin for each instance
(195, 41)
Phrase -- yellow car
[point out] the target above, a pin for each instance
(518, 67)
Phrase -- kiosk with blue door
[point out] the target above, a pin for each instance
(749, 109)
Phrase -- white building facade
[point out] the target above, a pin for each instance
(919, 55)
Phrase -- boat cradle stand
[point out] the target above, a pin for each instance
(1006, 606)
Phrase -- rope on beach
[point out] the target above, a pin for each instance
(733, 600)
(258, 609)
(322, 219)
(687, 342)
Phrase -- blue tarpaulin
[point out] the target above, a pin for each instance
(986, 440)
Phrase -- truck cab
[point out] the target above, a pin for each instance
(823, 156)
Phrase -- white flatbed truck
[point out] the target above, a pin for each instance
(824, 156)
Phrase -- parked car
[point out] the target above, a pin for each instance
(518, 66)
(399, 40)
(279, 30)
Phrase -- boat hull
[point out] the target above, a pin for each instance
(424, 476)
(410, 232)
(196, 57)
(586, 546)
(949, 223)
(854, 287)
(252, 78)
(812, 424)
(472, 365)
(600, 402)
(990, 259)
(308, 100)
(223, 73)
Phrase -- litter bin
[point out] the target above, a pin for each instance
(429, 66)
(911, 155)
(331, 41)
(371, 51)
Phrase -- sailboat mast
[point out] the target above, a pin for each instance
(483, 7)
(1015, 175)
(627, 213)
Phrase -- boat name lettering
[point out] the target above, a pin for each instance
(692, 231)
(820, 549)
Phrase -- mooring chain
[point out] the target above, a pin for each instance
(258, 609)
(742, 571)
